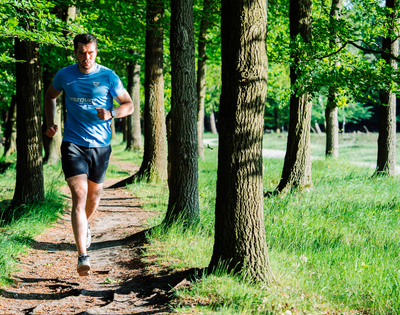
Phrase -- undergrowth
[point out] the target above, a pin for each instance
(17, 236)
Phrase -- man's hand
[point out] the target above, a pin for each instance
(103, 114)
(51, 131)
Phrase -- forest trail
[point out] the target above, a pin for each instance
(120, 282)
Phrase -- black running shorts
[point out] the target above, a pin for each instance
(78, 160)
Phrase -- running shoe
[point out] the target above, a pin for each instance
(83, 265)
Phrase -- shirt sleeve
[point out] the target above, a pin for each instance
(116, 86)
(57, 81)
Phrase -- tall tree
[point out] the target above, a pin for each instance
(331, 110)
(183, 203)
(29, 184)
(201, 73)
(154, 164)
(240, 240)
(134, 135)
(297, 166)
(386, 164)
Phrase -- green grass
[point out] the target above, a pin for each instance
(16, 237)
(333, 250)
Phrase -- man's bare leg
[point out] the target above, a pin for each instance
(85, 200)
(93, 198)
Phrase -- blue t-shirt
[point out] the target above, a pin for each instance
(83, 93)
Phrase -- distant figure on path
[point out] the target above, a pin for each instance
(89, 92)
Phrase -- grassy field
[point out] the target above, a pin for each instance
(333, 250)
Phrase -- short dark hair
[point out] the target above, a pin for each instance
(84, 39)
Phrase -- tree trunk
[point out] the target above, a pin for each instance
(276, 120)
(201, 75)
(240, 241)
(386, 164)
(331, 110)
(29, 184)
(52, 145)
(332, 127)
(213, 124)
(297, 166)
(10, 145)
(183, 204)
(112, 125)
(134, 136)
(154, 164)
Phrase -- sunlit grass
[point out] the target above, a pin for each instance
(16, 237)
(334, 249)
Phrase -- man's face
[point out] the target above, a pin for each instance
(86, 55)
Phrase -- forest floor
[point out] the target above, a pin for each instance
(121, 281)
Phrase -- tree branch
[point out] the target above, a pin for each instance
(328, 55)
(372, 51)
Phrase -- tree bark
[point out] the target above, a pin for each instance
(183, 204)
(201, 75)
(331, 110)
(154, 164)
(332, 127)
(297, 166)
(240, 242)
(29, 184)
(386, 164)
(134, 135)
(10, 134)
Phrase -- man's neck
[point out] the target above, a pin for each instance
(83, 70)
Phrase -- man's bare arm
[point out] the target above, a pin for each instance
(125, 108)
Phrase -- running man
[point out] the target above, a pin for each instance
(89, 92)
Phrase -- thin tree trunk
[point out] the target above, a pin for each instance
(297, 166)
(134, 136)
(112, 125)
(276, 120)
(240, 241)
(154, 164)
(183, 204)
(52, 145)
(201, 74)
(213, 124)
(386, 164)
(29, 184)
(10, 145)
(332, 127)
(331, 110)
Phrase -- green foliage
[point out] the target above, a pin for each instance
(343, 55)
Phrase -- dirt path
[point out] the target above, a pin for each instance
(120, 283)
